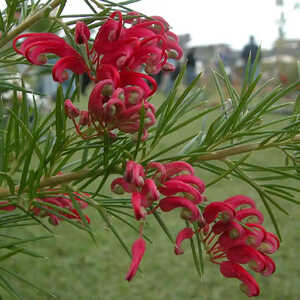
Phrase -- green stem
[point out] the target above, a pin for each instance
(222, 154)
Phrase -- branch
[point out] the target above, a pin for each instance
(221, 154)
(28, 22)
(55, 180)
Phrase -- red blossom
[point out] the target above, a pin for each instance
(71, 110)
(82, 33)
(218, 209)
(170, 203)
(36, 45)
(59, 201)
(138, 249)
(4, 205)
(136, 201)
(249, 286)
(185, 233)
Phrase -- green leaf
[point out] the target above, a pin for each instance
(114, 231)
(27, 282)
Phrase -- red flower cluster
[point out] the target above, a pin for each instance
(175, 180)
(231, 231)
(231, 240)
(63, 201)
(122, 50)
(56, 201)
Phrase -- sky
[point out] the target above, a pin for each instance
(217, 21)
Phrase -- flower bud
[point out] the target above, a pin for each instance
(71, 110)
(82, 33)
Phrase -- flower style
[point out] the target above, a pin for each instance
(118, 58)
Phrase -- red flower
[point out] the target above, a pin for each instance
(82, 33)
(134, 173)
(138, 249)
(218, 209)
(236, 242)
(71, 110)
(249, 286)
(60, 201)
(36, 45)
(119, 56)
(4, 205)
(170, 203)
(136, 201)
(185, 233)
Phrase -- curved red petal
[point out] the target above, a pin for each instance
(233, 270)
(138, 249)
(185, 233)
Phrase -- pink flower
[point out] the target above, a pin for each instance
(134, 173)
(218, 209)
(170, 203)
(82, 33)
(172, 187)
(185, 233)
(149, 193)
(230, 241)
(4, 205)
(139, 211)
(71, 110)
(118, 58)
(249, 286)
(138, 249)
(36, 45)
(59, 201)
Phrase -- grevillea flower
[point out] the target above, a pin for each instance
(138, 249)
(36, 45)
(185, 233)
(134, 173)
(182, 190)
(170, 203)
(232, 270)
(57, 201)
(71, 110)
(4, 205)
(231, 230)
(118, 58)
(139, 211)
(82, 33)
(232, 239)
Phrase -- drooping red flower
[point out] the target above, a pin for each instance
(71, 110)
(170, 203)
(185, 233)
(36, 45)
(138, 249)
(235, 240)
(249, 286)
(56, 202)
